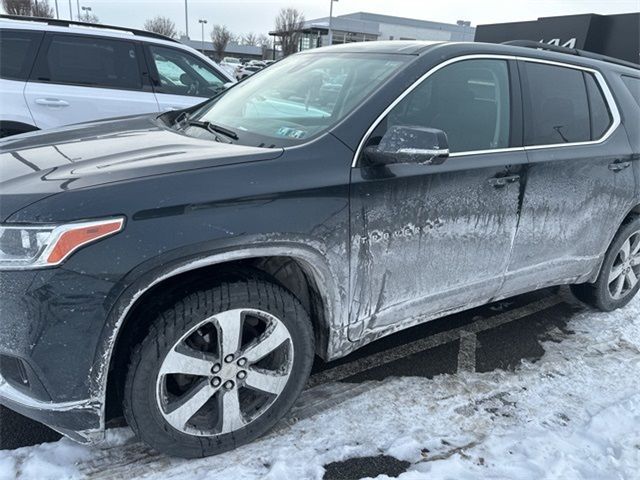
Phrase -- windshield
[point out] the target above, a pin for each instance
(299, 97)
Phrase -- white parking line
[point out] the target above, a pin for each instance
(467, 353)
(360, 365)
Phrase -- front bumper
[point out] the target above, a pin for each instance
(50, 323)
(78, 420)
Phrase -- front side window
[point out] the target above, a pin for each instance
(92, 62)
(556, 105)
(183, 74)
(468, 100)
(17, 53)
(299, 97)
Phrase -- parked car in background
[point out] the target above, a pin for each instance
(55, 72)
(184, 269)
(247, 70)
(230, 64)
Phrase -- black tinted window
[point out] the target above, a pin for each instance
(17, 53)
(467, 100)
(556, 107)
(600, 115)
(633, 84)
(95, 62)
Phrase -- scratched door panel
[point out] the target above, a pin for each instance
(427, 239)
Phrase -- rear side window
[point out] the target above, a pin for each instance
(92, 62)
(17, 52)
(633, 84)
(556, 105)
(599, 110)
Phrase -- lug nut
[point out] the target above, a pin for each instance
(216, 381)
(228, 358)
(228, 385)
(242, 375)
(242, 362)
(216, 368)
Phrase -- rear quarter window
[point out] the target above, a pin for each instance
(633, 85)
(18, 50)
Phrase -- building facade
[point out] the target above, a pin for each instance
(367, 27)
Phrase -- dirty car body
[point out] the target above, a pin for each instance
(367, 247)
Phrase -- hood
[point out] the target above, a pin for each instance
(39, 164)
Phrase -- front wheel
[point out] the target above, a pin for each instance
(219, 369)
(619, 279)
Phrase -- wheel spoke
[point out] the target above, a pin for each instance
(635, 262)
(265, 381)
(230, 324)
(625, 252)
(635, 247)
(619, 286)
(191, 363)
(189, 405)
(616, 273)
(632, 278)
(266, 344)
(232, 418)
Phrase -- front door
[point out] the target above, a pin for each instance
(429, 239)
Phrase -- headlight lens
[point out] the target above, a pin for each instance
(23, 247)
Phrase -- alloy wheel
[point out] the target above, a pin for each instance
(625, 272)
(225, 373)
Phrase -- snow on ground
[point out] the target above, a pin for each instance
(574, 414)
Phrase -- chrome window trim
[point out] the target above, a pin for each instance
(611, 103)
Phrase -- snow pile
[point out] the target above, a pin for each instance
(575, 414)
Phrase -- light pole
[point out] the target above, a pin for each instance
(331, 22)
(186, 17)
(78, 5)
(202, 21)
(57, 13)
(70, 11)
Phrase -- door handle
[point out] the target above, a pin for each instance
(619, 166)
(52, 102)
(500, 182)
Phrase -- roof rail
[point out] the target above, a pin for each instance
(69, 23)
(570, 51)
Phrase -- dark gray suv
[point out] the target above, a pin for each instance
(183, 269)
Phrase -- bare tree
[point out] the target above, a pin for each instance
(220, 37)
(162, 25)
(289, 24)
(88, 17)
(41, 8)
(250, 39)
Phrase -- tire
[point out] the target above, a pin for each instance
(203, 327)
(603, 294)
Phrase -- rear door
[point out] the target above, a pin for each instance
(579, 185)
(181, 79)
(79, 78)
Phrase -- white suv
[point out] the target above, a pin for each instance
(56, 72)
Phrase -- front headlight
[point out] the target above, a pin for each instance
(24, 247)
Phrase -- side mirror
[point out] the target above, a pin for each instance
(410, 144)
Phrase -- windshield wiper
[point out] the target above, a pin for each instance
(212, 127)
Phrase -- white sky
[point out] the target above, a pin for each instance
(243, 16)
